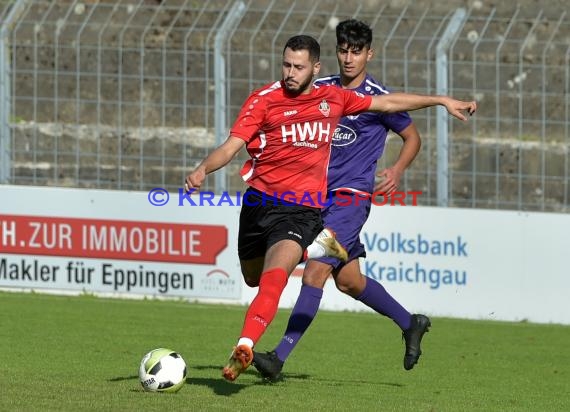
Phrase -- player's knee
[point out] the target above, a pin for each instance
(315, 279)
(345, 287)
(352, 287)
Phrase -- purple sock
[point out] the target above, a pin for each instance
(301, 317)
(375, 297)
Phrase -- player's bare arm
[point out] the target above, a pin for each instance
(405, 102)
(390, 177)
(220, 157)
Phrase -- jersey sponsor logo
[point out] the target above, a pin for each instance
(324, 108)
(343, 136)
(300, 134)
(289, 113)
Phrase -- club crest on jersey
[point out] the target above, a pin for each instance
(324, 108)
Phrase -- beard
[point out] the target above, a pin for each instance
(297, 88)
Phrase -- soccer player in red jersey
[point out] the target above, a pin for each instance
(287, 128)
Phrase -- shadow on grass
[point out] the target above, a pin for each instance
(123, 378)
(356, 382)
(251, 371)
(219, 385)
(128, 378)
(224, 388)
(292, 377)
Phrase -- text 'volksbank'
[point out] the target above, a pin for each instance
(415, 272)
(399, 243)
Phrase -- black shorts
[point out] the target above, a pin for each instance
(265, 220)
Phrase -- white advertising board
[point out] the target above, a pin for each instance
(466, 263)
(116, 242)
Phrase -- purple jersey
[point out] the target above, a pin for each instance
(359, 141)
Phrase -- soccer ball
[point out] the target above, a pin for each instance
(162, 370)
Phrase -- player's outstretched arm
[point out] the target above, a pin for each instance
(405, 102)
(217, 159)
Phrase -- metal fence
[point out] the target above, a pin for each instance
(131, 94)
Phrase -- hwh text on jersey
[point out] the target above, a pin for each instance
(306, 131)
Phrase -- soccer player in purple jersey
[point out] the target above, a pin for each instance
(359, 142)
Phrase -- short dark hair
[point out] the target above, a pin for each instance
(304, 42)
(354, 33)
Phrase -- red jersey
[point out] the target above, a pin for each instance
(289, 139)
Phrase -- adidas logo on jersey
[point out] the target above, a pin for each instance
(289, 113)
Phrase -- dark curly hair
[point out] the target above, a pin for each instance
(353, 33)
(304, 42)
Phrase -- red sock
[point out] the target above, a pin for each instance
(264, 306)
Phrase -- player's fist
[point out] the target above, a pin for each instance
(195, 179)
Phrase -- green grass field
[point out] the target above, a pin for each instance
(65, 353)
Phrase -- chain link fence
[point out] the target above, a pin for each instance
(131, 94)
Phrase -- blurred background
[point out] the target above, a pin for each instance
(132, 94)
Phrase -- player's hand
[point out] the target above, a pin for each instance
(457, 107)
(195, 179)
(390, 180)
